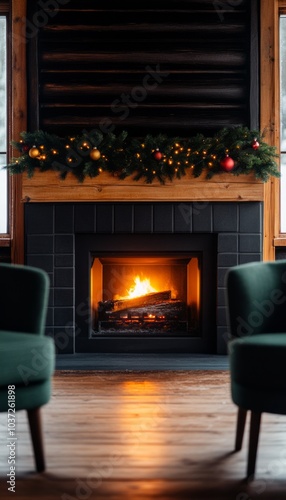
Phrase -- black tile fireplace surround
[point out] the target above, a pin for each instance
(230, 233)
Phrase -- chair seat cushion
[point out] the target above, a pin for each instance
(25, 358)
(259, 361)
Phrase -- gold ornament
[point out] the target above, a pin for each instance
(34, 152)
(94, 154)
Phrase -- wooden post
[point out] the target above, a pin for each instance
(18, 123)
(270, 115)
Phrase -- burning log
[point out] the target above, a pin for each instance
(148, 299)
(157, 305)
(142, 301)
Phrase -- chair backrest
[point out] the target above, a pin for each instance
(256, 298)
(24, 294)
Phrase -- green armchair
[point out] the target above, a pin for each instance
(27, 357)
(256, 304)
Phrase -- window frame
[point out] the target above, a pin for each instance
(270, 118)
(5, 238)
(17, 120)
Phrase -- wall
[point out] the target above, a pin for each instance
(50, 244)
(177, 67)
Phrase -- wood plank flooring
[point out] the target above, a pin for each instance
(144, 435)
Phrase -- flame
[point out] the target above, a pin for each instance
(140, 287)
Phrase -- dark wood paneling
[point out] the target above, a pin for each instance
(97, 60)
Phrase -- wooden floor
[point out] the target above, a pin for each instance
(144, 435)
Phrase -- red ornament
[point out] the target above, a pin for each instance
(25, 148)
(227, 163)
(157, 155)
(255, 144)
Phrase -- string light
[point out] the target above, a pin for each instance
(197, 153)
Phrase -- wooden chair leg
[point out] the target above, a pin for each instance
(34, 417)
(240, 425)
(253, 442)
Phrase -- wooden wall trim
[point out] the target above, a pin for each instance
(270, 114)
(47, 187)
(18, 122)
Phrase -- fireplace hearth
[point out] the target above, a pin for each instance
(66, 238)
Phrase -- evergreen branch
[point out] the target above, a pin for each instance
(154, 157)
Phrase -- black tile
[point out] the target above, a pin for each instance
(250, 217)
(123, 218)
(45, 262)
(227, 242)
(63, 277)
(64, 218)
(202, 217)
(183, 217)
(64, 340)
(163, 218)
(221, 316)
(51, 297)
(64, 243)
(85, 218)
(221, 296)
(225, 217)
(227, 259)
(64, 260)
(63, 316)
(104, 218)
(51, 278)
(222, 340)
(250, 243)
(50, 316)
(39, 244)
(63, 297)
(143, 218)
(244, 258)
(221, 273)
(39, 218)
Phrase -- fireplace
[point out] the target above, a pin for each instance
(175, 312)
(145, 296)
(84, 246)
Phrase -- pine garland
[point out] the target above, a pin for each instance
(154, 157)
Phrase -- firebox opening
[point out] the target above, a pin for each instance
(151, 296)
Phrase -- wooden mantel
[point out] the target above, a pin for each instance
(47, 187)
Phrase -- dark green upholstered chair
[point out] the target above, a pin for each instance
(27, 357)
(256, 296)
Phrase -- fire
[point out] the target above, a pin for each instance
(140, 287)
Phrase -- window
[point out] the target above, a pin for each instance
(3, 127)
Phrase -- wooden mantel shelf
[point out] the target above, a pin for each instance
(47, 187)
